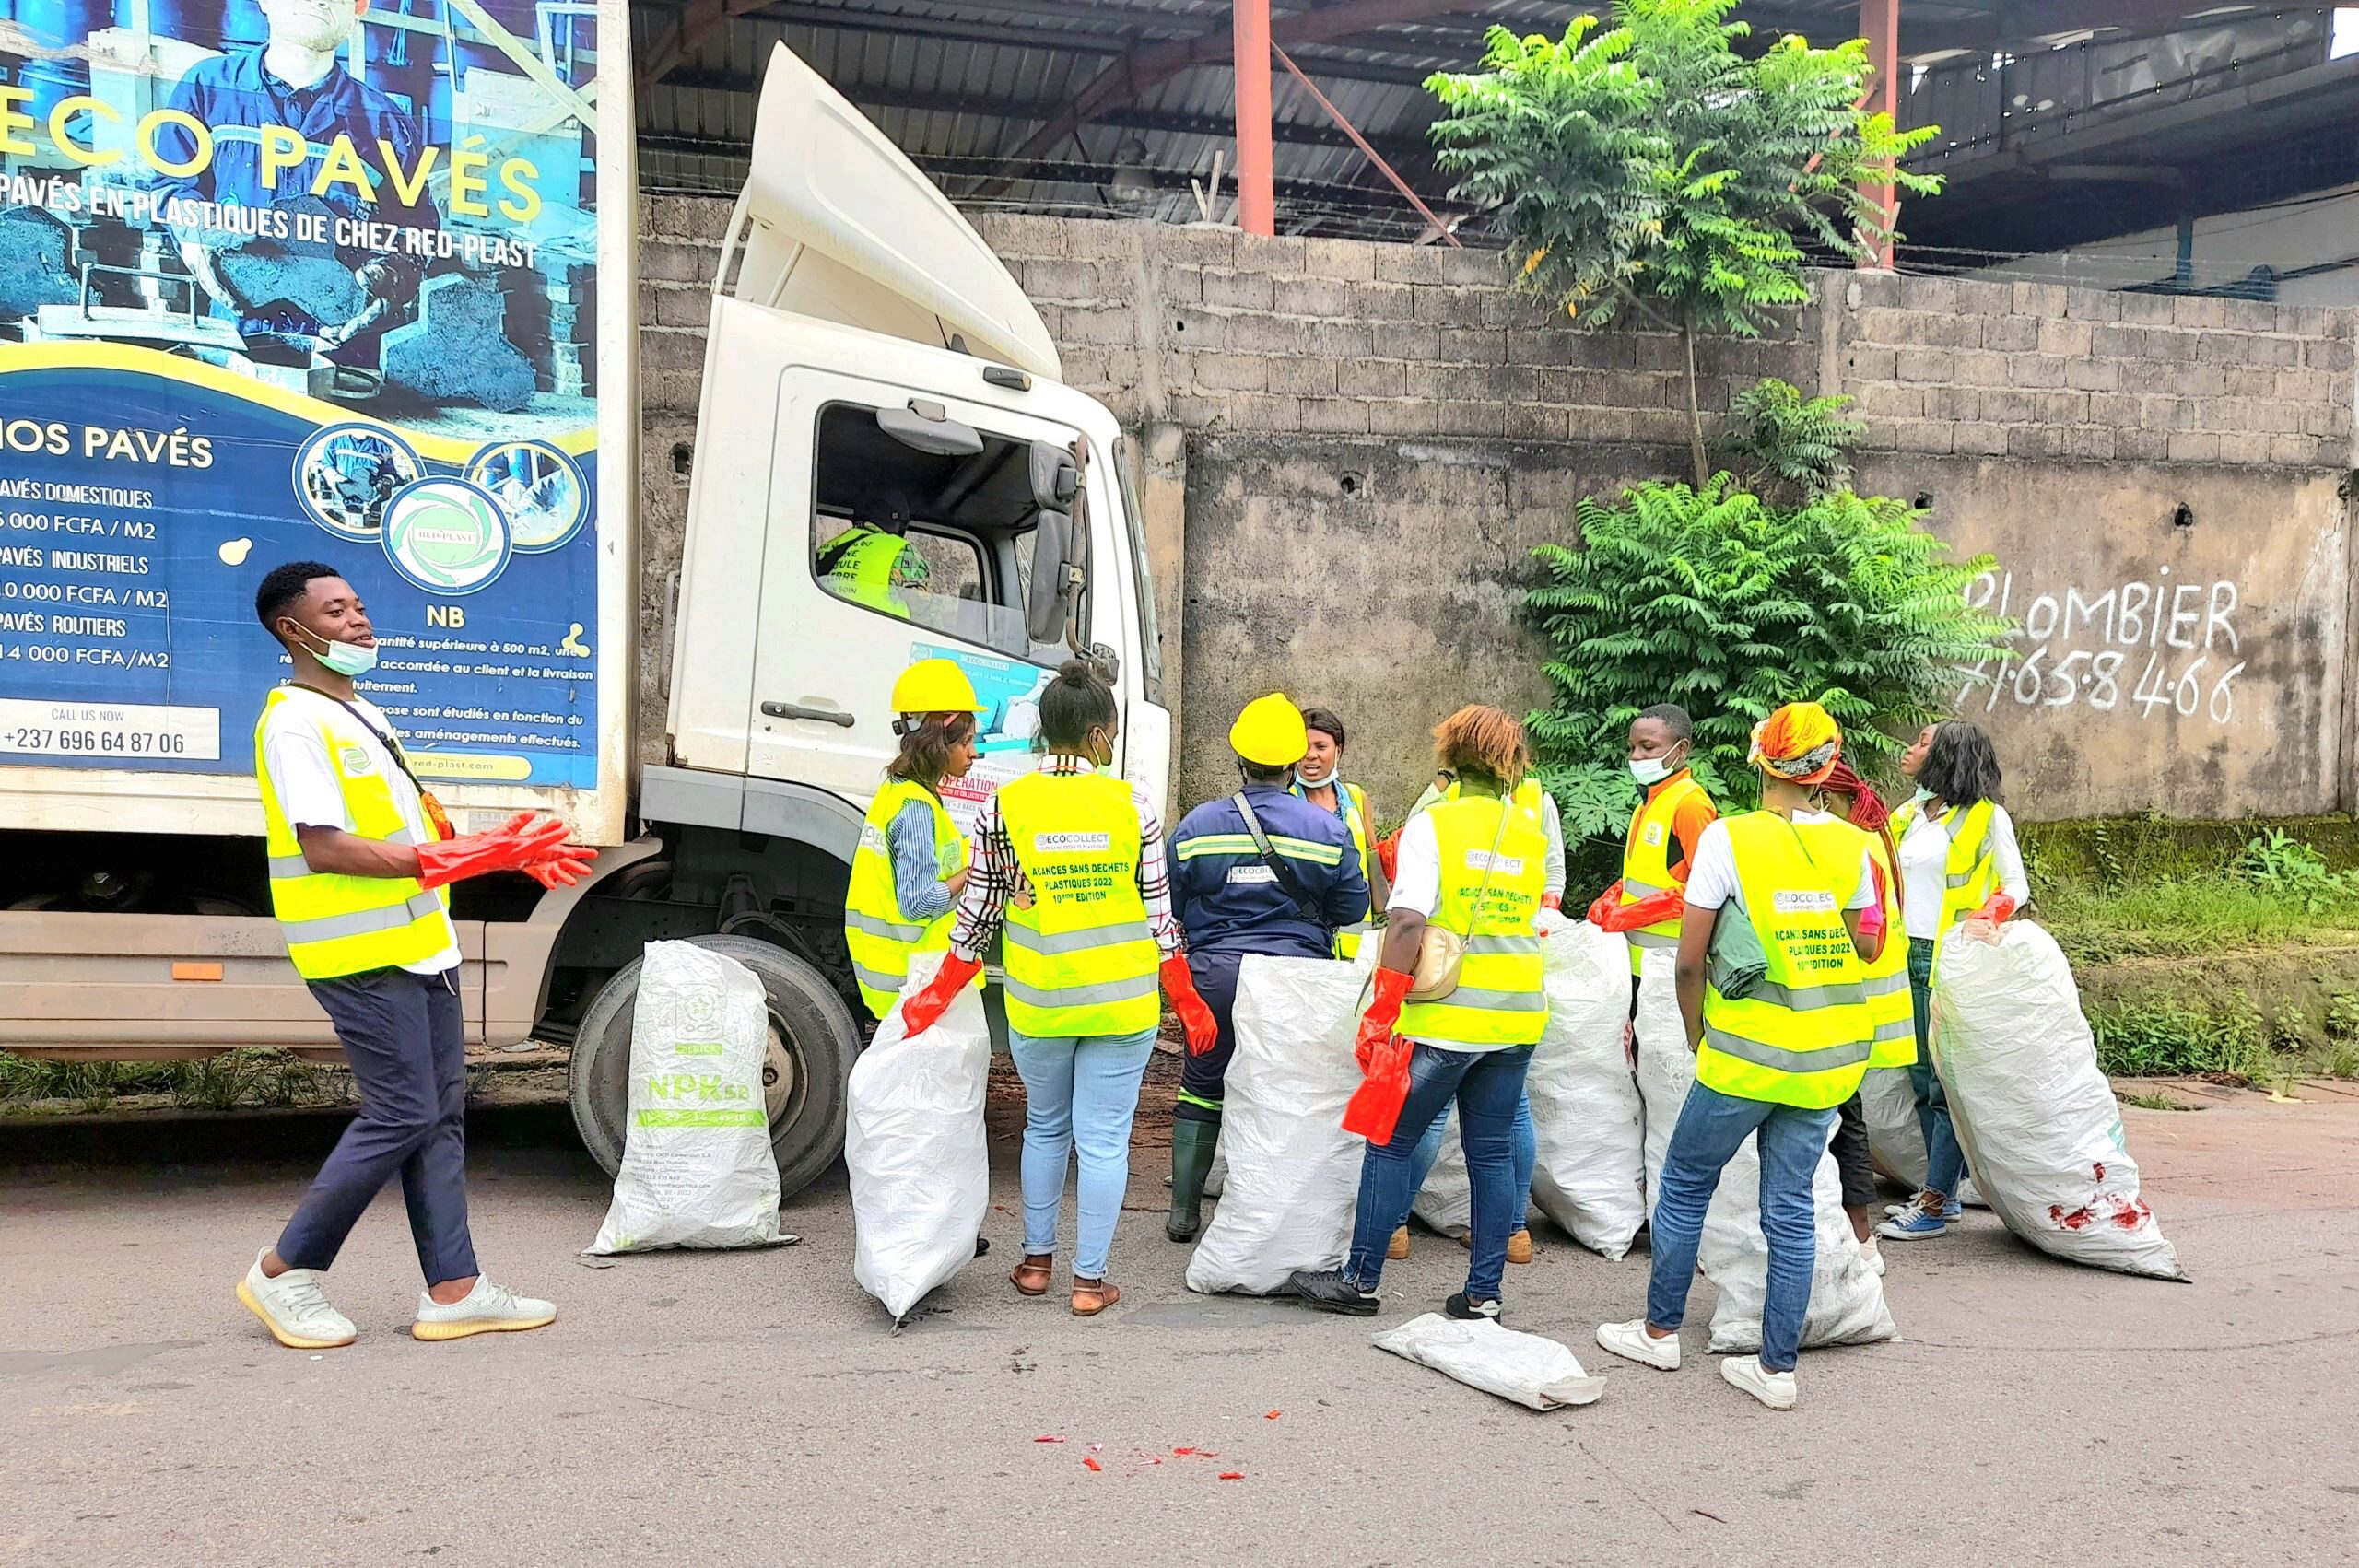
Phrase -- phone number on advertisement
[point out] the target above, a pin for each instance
(2042, 679)
(95, 743)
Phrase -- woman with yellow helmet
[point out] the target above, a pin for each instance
(911, 863)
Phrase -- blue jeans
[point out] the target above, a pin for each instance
(1488, 1085)
(1525, 1154)
(1944, 1158)
(1712, 1127)
(1080, 1095)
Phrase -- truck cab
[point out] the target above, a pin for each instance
(886, 469)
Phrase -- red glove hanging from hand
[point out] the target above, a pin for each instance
(1376, 1024)
(924, 1011)
(1388, 855)
(1552, 901)
(526, 841)
(1180, 985)
(1603, 910)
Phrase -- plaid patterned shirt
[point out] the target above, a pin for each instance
(997, 878)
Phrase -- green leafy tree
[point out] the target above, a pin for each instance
(1794, 447)
(1714, 600)
(1648, 168)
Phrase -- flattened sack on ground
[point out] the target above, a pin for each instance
(1294, 1173)
(698, 1170)
(915, 1146)
(1586, 1113)
(1538, 1374)
(2041, 1130)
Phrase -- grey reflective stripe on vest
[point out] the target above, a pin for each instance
(1895, 1029)
(1643, 937)
(1511, 946)
(365, 922)
(1850, 1053)
(1063, 943)
(1805, 998)
(1358, 927)
(877, 926)
(1885, 985)
(285, 866)
(889, 984)
(1633, 889)
(1491, 1001)
(1083, 996)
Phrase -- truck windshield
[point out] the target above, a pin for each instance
(1142, 578)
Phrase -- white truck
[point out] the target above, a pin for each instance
(871, 368)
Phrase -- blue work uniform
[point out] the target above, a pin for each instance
(1230, 903)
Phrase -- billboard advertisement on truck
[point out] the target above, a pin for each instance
(310, 280)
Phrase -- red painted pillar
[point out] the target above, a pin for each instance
(1880, 25)
(1257, 209)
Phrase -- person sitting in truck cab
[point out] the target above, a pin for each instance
(873, 561)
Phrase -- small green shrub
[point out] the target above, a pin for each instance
(1799, 446)
(2153, 1039)
(2278, 862)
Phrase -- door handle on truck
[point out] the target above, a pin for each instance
(796, 710)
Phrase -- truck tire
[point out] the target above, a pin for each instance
(813, 1044)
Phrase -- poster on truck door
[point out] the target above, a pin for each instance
(289, 280)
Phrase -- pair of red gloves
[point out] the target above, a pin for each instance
(530, 843)
(924, 1011)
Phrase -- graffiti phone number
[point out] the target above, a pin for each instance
(2159, 647)
(2049, 679)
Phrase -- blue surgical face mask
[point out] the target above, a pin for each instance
(347, 658)
(1920, 797)
(1335, 780)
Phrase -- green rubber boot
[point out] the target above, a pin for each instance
(1192, 1161)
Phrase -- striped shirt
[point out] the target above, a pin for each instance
(998, 878)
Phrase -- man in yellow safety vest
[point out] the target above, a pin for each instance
(357, 851)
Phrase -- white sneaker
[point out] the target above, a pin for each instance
(1632, 1342)
(1874, 1254)
(294, 1308)
(1775, 1389)
(486, 1309)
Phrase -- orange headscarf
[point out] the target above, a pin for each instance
(1799, 743)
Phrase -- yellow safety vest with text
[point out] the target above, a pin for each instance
(861, 569)
(1082, 959)
(1971, 872)
(1647, 860)
(1355, 817)
(1800, 1036)
(1884, 978)
(1493, 873)
(335, 925)
(879, 940)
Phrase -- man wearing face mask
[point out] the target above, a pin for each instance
(358, 853)
(1264, 870)
(1648, 902)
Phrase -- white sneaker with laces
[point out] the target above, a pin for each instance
(294, 1308)
(1632, 1342)
(1775, 1389)
(486, 1309)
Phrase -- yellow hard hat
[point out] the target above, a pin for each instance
(935, 685)
(1270, 731)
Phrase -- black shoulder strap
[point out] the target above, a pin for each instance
(1278, 868)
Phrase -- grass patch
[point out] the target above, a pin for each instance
(231, 1081)
(2163, 1037)
(2155, 1100)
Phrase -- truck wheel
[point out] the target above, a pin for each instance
(805, 1082)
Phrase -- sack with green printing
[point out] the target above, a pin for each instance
(698, 1169)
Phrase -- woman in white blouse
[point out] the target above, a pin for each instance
(1957, 849)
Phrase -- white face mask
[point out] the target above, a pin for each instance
(1652, 770)
(1333, 779)
(347, 658)
(1920, 797)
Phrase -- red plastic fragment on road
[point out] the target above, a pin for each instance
(1047, 1440)
(1097, 1447)
(1197, 1453)
(1271, 1415)
(1232, 1475)
(1091, 1463)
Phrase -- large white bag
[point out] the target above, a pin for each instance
(2042, 1133)
(1896, 1138)
(1447, 1200)
(1585, 1106)
(1294, 1173)
(698, 1169)
(1847, 1301)
(913, 1143)
(1539, 1373)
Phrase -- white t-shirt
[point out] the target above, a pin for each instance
(295, 754)
(1925, 865)
(1712, 880)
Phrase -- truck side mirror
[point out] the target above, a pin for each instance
(1055, 477)
(1044, 608)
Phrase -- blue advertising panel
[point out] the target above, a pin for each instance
(299, 280)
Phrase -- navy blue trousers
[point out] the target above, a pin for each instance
(405, 1039)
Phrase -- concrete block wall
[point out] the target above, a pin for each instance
(1359, 444)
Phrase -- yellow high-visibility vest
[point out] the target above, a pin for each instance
(1884, 978)
(335, 925)
(1355, 817)
(1971, 872)
(880, 941)
(1501, 998)
(1647, 860)
(1800, 1037)
(1082, 959)
(861, 569)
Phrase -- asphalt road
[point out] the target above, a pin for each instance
(757, 1408)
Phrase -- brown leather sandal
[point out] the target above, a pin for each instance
(1031, 1277)
(1091, 1297)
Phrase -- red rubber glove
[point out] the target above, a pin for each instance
(1376, 1024)
(1388, 855)
(924, 1011)
(1180, 985)
(1552, 901)
(527, 840)
(1998, 911)
(566, 865)
(1646, 911)
(1603, 910)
